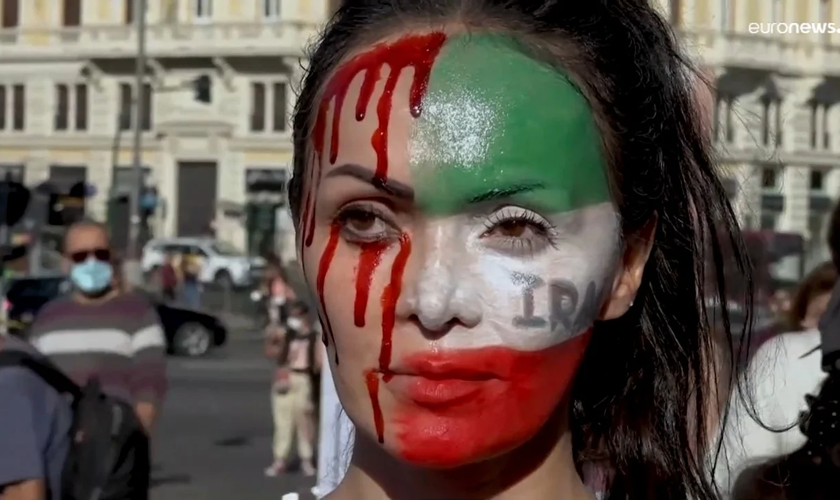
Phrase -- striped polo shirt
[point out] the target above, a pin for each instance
(119, 341)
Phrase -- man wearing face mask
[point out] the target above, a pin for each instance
(99, 331)
(292, 404)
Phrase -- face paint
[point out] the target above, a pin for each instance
(512, 249)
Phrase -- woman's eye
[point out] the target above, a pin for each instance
(515, 228)
(362, 225)
(512, 228)
(361, 221)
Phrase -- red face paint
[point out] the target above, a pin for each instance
(323, 269)
(453, 408)
(368, 262)
(418, 52)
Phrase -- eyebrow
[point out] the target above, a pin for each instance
(499, 193)
(389, 186)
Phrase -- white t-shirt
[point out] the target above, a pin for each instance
(336, 436)
(782, 372)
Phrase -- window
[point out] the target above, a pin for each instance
(771, 120)
(778, 11)
(203, 9)
(128, 11)
(3, 107)
(225, 249)
(71, 13)
(769, 221)
(819, 125)
(675, 12)
(269, 100)
(127, 106)
(10, 14)
(146, 114)
(258, 107)
(725, 10)
(816, 225)
(62, 107)
(71, 101)
(18, 107)
(279, 108)
(12, 107)
(723, 123)
(769, 178)
(816, 182)
(271, 9)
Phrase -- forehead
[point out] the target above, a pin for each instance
(457, 116)
(86, 235)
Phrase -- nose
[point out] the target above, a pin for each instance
(442, 294)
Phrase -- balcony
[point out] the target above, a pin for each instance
(787, 55)
(286, 38)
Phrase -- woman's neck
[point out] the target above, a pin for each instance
(541, 469)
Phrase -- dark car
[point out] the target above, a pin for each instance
(188, 332)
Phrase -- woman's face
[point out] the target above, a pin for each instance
(459, 233)
(816, 308)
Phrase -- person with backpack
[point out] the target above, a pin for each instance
(35, 425)
(61, 441)
(298, 358)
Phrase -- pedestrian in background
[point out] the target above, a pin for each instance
(190, 284)
(101, 331)
(294, 349)
(168, 279)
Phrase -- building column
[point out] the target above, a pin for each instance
(796, 126)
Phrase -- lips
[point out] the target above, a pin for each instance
(444, 380)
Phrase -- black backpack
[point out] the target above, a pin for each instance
(109, 456)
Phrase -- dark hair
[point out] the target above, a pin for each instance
(819, 281)
(640, 397)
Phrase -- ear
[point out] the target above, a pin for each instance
(631, 270)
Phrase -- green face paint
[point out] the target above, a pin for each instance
(496, 121)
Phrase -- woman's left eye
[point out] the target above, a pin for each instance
(518, 230)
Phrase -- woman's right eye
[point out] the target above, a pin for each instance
(364, 225)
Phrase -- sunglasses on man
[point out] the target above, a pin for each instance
(100, 254)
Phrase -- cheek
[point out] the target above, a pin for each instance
(507, 413)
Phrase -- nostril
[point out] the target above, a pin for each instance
(432, 330)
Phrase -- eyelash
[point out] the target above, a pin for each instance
(544, 232)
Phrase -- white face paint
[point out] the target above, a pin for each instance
(486, 286)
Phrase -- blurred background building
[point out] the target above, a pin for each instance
(221, 75)
(775, 113)
(221, 79)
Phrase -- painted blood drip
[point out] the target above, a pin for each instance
(390, 296)
(418, 52)
(323, 269)
(389, 305)
(368, 262)
(372, 381)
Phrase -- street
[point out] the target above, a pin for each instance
(214, 437)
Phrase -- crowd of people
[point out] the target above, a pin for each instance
(507, 236)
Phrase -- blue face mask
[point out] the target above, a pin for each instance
(92, 276)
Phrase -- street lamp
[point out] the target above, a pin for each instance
(131, 266)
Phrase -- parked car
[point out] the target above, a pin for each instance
(223, 263)
(188, 332)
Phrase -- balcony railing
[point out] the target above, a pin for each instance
(112, 41)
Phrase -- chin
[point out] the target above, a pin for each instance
(445, 443)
